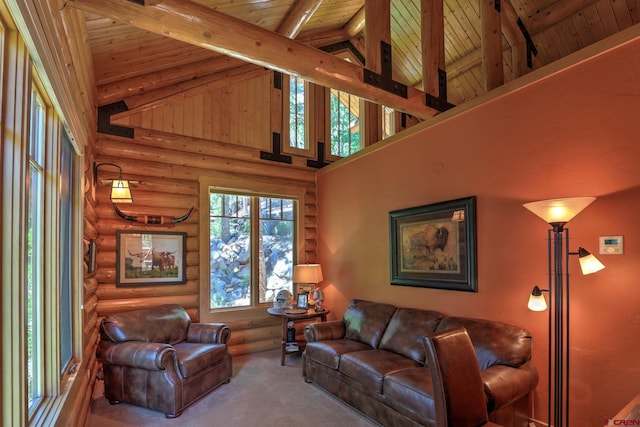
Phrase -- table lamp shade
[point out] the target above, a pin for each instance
(307, 273)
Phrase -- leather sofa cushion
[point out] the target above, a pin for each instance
(406, 330)
(495, 343)
(371, 366)
(194, 357)
(410, 390)
(366, 321)
(328, 352)
(166, 324)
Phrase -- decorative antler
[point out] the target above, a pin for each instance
(152, 219)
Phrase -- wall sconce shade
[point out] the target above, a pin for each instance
(558, 212)
(307, 273)
(120, 189)
(588, 262)
(537, 302)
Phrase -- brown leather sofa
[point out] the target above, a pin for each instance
(374, 360)
(158, 359)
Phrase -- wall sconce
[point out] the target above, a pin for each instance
(310, 274)
(120, 190)
(557, 212)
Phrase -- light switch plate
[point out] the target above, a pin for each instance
(611, 245)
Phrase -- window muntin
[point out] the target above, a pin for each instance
(252, 246)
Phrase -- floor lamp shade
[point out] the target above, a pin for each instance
(559, 211)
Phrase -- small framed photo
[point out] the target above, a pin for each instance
(303, 300)
(305, 288)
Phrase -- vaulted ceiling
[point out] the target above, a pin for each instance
(143, 45)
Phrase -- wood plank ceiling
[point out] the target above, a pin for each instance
(129, 60)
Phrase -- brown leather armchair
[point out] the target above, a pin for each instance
(158, 359)
(459, 398)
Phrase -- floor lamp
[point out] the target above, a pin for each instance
(557, 212)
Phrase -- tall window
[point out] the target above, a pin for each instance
(35, 251)
(344, 123)
(41, 257)
(66, 253)
(388, 122)
(297, 113)
(252, 247)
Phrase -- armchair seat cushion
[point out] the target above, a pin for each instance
(370, 367)
(194, 357)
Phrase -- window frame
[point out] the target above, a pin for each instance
(348, 56)
(20, 77)
(221, 182)
(309, 149)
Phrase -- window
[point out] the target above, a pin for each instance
(67, 164)
(388, 122)
(297, 113)
(35, 252)
(252, 246)
(344, 123)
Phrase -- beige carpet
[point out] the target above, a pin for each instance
(261, 393)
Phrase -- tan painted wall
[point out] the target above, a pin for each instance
(572, 133)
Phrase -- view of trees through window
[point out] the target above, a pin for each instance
(251, 248)
(344, 123)
(296, 112)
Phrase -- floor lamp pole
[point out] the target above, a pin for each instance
(559, 342)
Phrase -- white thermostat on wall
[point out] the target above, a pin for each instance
(611, 245)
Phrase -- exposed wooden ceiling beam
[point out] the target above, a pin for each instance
(491, 38)
(199, 25)
(355, 24)
(433, 58)
(298, 15)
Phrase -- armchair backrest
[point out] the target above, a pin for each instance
(162, 324)
(458, 393)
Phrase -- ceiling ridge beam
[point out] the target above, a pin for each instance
(199, 25)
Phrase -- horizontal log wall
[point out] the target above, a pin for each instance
(167, 167)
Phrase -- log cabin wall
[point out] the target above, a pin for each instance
(214, 131)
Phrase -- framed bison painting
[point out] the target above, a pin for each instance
(150, 258)
(434, 246)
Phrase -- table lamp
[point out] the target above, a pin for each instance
(310, 274)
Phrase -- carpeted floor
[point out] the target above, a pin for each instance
(261, 393)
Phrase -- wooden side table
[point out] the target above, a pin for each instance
(294, 317)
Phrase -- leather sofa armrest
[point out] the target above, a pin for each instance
(504, 384)
(137, 354)
(331, 330)
(209, 333)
